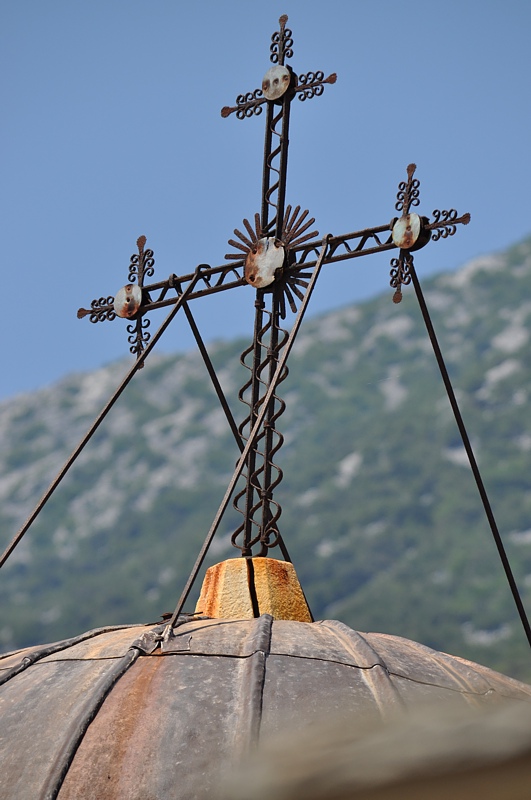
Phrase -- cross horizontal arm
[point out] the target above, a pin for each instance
(309, 85)
(349, 245)
(228, 276)
(213, 280)
(445, 222)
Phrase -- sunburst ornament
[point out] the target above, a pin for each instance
(267, 259)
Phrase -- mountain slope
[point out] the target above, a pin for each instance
(381, 513)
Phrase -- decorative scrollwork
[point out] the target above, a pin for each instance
(311, 84)
(142, 264)
(445, 222)
(100, 310)
(138, 336)
(250, 97)
(400, 273)
(246, 105)
(408, 192)
(249, 104)
(281, 43)
(133, 268)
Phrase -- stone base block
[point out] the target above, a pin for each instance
(242, 588)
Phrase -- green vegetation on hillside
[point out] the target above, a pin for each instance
(380, 511)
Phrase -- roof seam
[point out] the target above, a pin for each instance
(446, 688)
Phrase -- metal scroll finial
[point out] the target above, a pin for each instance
(411, 231)
(408, 191)
(281, 43)
(129, 301)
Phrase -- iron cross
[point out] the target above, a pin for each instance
(281, 258)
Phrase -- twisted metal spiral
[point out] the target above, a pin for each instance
(255, 500)
(272, 161)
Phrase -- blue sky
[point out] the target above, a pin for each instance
(111, 129)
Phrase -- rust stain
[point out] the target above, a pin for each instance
(408, 238)
(406, 231)
(112, 741)
(278, 590)
(225, 591)
(279, 572)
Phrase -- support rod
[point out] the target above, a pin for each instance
(97, 422)
(251, 440)
(470, 453)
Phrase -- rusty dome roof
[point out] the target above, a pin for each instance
(126, 713)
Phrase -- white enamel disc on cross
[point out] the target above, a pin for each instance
(260, 266)
(276, 82)
(128, 300)
(406, 231)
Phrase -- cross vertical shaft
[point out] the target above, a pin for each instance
(255, 501)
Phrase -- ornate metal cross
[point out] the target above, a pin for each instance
(281, 258)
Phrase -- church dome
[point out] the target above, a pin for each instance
(134, 713)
